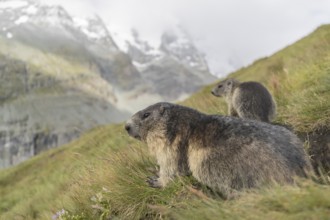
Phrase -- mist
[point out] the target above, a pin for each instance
(231, 33)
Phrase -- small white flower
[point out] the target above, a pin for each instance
(59, 214)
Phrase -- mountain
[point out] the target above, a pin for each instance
(173, 68)
(55, 79)
(62, 75)
(103, 174)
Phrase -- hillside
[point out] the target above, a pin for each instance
(102, 175)
(61, 75)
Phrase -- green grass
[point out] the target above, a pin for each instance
(49, 64)
(308, 201)
(102, 175)
(298, 77)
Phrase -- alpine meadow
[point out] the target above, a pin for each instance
(102, 175)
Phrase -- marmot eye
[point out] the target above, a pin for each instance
(146, 115)
(219, 86)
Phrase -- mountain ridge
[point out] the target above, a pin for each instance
(62, 75)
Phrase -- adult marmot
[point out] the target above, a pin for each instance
(225, 153)
(249, 100)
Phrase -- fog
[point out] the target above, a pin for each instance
(231, 33)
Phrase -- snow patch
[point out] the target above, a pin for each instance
(88, 27)
(91, 34)
(31, 10)
(180, 43)
(193, 64)
(80, 22)
(140, 66)
(126, 39)
(9, 35)
(22, 19)
(153, 51)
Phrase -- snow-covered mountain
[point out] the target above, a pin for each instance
(61, 75)
(174, 63)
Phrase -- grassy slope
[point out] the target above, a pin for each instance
(40, 61)
(299, 78)
(103, 173)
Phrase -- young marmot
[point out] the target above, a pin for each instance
(249, 100)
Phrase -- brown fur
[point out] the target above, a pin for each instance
(225, 153)
(250, 100)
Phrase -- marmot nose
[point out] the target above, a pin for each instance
(127, 127)
(212, 92)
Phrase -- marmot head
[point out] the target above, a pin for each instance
(151, 119)
(224, 88)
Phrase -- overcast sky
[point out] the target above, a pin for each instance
(232, 33)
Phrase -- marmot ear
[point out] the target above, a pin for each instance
(163, 107)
